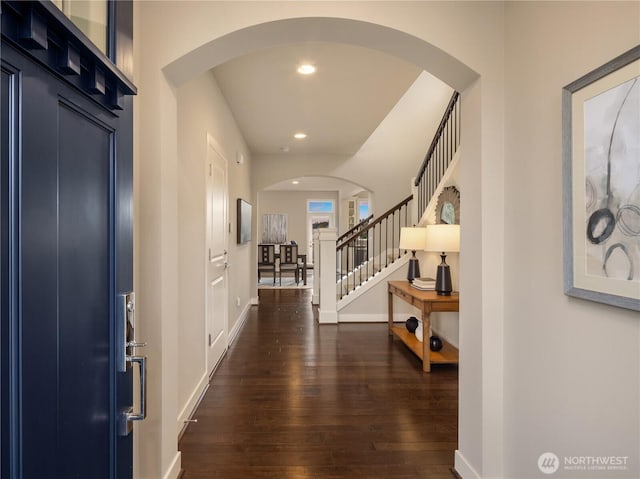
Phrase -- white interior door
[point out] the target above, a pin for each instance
(316, 221)
(216, 277)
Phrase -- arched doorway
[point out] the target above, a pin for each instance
(203, 51)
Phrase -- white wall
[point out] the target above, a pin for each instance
(294, 205)
(203, 110)
(572, 367)
(170, 239)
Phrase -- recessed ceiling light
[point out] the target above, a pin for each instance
(300, 136)
(306, 69)
(295, 182)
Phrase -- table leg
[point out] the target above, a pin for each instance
(426, 350)
(304, 273)
(390, 313)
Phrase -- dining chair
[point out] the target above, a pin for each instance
(289, 261)
(267, 260)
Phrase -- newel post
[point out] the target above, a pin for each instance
(415, 214)
(327, 238)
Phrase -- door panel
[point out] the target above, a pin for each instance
(83, 290)
(216, 307)
(73, 244)
(38, 242)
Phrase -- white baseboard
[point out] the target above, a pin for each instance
(174, 469)
(463, 468)
(255, 301)
(328, 317)
(193, 401)
(240, 322)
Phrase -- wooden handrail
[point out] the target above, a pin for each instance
(377, 221)
(354, 228)
(436, 137)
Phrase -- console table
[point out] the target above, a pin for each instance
(427, 302)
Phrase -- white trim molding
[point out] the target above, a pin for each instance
(463, 468)
(244, 315)
(174, 469)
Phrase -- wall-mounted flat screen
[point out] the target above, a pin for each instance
(244, 221)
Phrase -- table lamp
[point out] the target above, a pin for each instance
(443, 238)
(413, 239)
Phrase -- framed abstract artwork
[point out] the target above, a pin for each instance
(601, 183)
(274, 229)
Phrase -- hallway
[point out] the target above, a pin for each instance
(292, 399)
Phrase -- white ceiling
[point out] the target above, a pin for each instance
(338, 107)
(318, 183)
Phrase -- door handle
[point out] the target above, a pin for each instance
(142, 362)
(126, 359)
(127, 416)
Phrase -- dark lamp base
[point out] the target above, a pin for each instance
(443, 278)
(414, 269)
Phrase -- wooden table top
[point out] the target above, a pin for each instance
(406, 287)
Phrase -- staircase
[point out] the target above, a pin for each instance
(371, 247)
(375, 247)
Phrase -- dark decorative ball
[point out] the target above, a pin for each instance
(412, 324)
(435, 343)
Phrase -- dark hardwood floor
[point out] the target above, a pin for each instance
(293, 399)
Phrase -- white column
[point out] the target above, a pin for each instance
(328, 313)
(315, 298)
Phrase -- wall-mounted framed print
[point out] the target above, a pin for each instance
(244, 222)
(274, 228)
(601, 183)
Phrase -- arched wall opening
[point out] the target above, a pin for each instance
(292, 199)
(328, 29)
(156, 281)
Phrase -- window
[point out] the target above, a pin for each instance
(90, 16)
(320, 206)
(363, 209)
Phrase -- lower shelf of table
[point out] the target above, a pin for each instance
(447, 355)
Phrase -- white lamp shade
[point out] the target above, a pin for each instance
(443, 238)
(413, 238)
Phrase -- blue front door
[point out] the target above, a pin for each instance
(66, 179)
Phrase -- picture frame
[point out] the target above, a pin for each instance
(274, 228)
(243, 230)
(601, 183)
